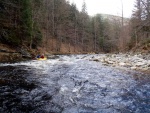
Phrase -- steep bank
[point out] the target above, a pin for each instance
(8, 53)
(143, 48)
(11, 54)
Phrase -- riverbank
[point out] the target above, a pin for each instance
(11, 54)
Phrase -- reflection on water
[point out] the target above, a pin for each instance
(71, 84)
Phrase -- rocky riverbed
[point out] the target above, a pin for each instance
(137, 62)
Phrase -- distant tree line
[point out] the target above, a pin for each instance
(51, 23)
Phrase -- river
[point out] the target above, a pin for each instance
(72, 84)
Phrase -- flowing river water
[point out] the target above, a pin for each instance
(72, 84)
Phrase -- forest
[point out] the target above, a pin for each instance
(58, 26)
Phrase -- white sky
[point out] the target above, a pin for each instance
(113, 7)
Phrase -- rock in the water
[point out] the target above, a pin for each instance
(133, 68)
(122, 64)
(96, 60)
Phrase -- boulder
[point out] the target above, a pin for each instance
(133, 68)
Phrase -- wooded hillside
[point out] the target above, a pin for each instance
(140, 24)
(57, 24)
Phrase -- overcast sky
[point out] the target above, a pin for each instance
(113, 7)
